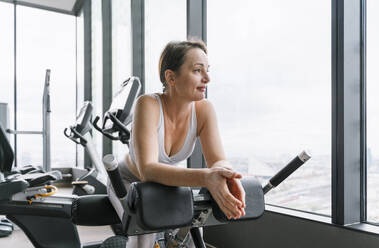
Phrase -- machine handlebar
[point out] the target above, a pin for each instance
(111, 165)
(293, 165)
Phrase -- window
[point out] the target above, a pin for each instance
(45, 40)
(270, 69)
(121, 54)
(161, 26)
(97, 68)
(372, 111)
(6, 61)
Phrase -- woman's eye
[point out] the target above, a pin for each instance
(197, 70)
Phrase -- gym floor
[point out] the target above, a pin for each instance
(86, 233)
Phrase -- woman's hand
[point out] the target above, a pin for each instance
(222, 183)
(236, 189)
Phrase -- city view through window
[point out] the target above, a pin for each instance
(270, 69)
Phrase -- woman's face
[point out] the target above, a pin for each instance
(191, 80)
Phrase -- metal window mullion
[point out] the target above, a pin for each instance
(346, 112)
(107, 64)
(15, 81)
(196, 28)
(87, 62)
(138, 40)
(363, 113)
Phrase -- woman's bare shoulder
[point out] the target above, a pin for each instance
(205, 113)
(204, 107)
(148, 107)
(147, 101)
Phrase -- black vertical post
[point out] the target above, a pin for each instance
(87, 62)
(346, 111)
(107, 64)
(363, 114)
(138, 40)
(15, 80)
(196, 28)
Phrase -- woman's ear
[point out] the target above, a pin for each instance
(170, 77)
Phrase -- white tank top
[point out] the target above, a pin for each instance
(189, 142)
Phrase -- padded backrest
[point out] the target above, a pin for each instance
(254, 199)
(160, 207)
(6, 152)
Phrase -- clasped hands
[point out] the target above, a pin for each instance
(226, 189)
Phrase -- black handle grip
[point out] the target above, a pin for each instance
(117, 183)
(288, 169)
(102, 130)
(111, 165)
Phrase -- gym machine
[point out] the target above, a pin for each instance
(49, 221)
(150, 207)
(6, 227)
(92, 180)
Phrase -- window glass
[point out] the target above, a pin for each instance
(29, 150)
(270, 69)
(45, 40)
(7, 62)
(372, 111)
(162, 25)
(97, 68)
(121, 54)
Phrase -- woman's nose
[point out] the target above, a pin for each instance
(206, 78)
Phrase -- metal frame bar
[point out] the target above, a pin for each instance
(363, 113)
(196, 28)
(15, 81)
(346, 112)
(76, 83)
(46, 123)
(78, 6)
(107, 65)
(138, 40)
(87, 62)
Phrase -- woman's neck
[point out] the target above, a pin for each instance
(176, 108)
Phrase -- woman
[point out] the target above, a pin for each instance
(165, 128)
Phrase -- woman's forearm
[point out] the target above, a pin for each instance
(174, 176)
(222, 163)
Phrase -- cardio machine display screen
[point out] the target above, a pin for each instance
(84, 117)
(124, 99)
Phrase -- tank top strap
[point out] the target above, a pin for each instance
(156, 95)
(193, 124)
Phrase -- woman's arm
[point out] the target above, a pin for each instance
(145, 140)
(213, 150)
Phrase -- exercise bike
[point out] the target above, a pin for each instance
(92, 180)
